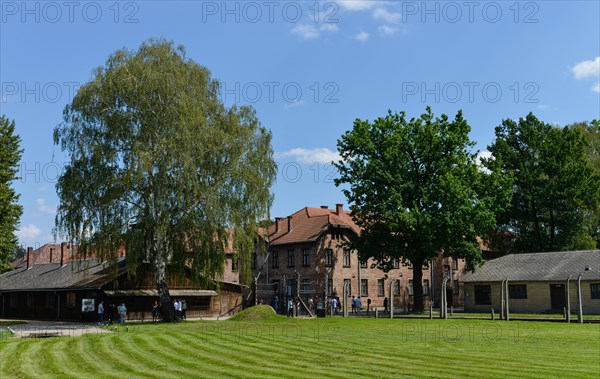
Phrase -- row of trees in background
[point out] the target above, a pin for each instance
(416, 188)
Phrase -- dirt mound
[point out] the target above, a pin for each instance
(258, 312)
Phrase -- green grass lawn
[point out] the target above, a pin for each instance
(279, 347)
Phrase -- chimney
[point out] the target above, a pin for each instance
(289, 224)
(29, 257)
(339, 209)
(51, 252)
(277, 224)
(324, 207)
(63, 247)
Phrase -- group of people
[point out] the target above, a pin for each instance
(112, 314)
(180, 307)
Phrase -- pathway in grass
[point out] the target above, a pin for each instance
(260, 344)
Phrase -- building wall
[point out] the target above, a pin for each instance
(317, 273)
(538, 298)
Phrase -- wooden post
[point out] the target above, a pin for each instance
(502, 300)
(580, 305)
(492, 314)
(507, 302)
(568, 311)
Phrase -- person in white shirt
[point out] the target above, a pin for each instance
(100, 311)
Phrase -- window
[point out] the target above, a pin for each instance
(329, 286)
(396, 263)
(200, 302)
(291, 260)
(455, 264)
(456, 287)
(426, 265)
(408, 264)
(517, 291)
(275, 259)
(447, 271)
(336, 235)
(364, 287)
(380, 287)
(348, 285)
(305, 258)
(71, 300)
(235, 262)
(483, 295)
(328, 257)
(425, 286)
(410, 287)
(397, 288)
(290, 287)
(364, 264)
(346, 258)
(305, 285)
(595, 290)
(254, 259)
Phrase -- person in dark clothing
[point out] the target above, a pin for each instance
(385, 305)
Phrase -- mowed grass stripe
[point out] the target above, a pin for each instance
(87, 357)
(109, 348)
(288, 354)
(164, 356)
(259, 359)
(221, 361)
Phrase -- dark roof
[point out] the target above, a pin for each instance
(552, 266)
(73, 275)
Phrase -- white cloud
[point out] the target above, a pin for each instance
(293, 104)
(587, 69)
(42, 207)
(318, 155)
(29, 232)
(362, 36)
(483, 155)
(596, 87)
(387, 16)
(306, 31)
(387, 30)
(329, 27)
(358, 5)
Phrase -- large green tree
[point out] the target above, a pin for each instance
(556, 188)
(416, 190)
(160, 166)
(10, 210)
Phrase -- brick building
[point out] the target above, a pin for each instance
(302, 254)
(52, 282)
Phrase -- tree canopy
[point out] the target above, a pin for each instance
(160, 166)
(556, 193)
(416, 190)
(10, 210)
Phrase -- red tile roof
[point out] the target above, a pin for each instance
(308, 224)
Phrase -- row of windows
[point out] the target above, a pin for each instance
(329, 260)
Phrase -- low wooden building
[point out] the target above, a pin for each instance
(71, 289)
(537, 282)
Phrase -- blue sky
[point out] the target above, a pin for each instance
(309, 68)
